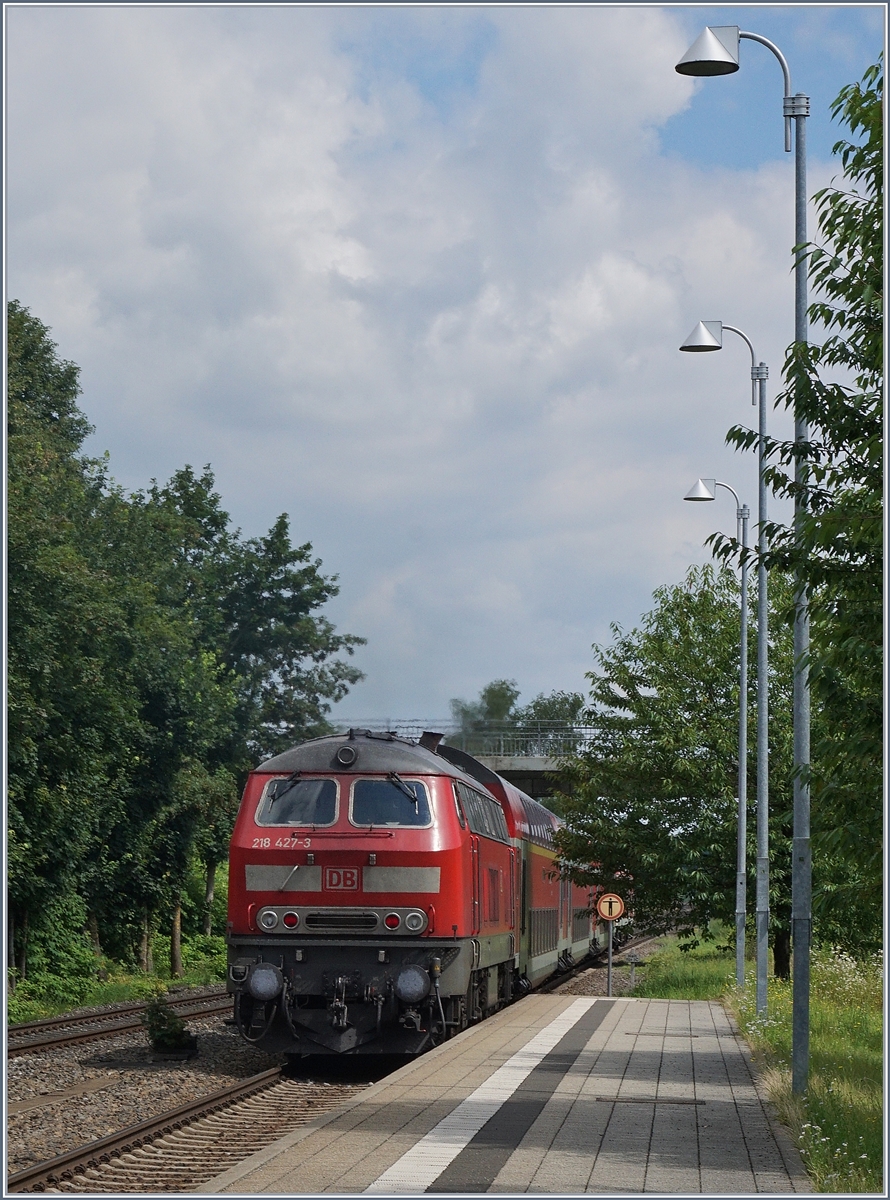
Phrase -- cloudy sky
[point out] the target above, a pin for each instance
(417, 276)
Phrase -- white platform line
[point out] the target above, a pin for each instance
(429, 1157)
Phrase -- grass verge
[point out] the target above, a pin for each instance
(838, 1123)
(702, 973)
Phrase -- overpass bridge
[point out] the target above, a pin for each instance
(529, 755)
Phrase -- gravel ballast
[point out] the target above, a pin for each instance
(594, 981)
(136, 1090)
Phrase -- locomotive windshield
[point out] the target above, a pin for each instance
(382, 802)
(298, 802)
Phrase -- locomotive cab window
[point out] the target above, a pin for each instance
(298, 802)
(389, 802)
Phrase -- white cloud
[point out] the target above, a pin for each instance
(441, 335)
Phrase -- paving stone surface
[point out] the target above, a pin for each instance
(627, 1096)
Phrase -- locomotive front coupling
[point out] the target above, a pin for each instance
(304, 1001)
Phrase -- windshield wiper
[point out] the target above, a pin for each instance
(291, 782)
(289, 877)
(403, 787)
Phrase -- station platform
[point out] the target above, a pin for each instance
(555, 1094)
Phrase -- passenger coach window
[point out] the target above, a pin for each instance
(484, 814)
(384, 802)
(298, 802)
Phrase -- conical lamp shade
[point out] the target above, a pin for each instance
(702, 489)
(715, 52)
(705, 337)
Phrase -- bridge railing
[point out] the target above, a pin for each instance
(490, 739)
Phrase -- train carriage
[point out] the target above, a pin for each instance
(384, 894)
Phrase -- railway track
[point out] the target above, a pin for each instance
(55, 1032)
(554, 984)
(186, 1146)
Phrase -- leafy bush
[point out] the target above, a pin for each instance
(58, 946)
(44, 995)
(41, 992)
(203, 955)
(166, 1030)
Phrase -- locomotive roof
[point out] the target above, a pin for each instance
(373, 752)
(386, 752)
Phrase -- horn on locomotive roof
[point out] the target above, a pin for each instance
(430, 741)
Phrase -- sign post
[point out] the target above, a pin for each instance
(610, 907)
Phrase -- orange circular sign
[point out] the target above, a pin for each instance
(610, 907)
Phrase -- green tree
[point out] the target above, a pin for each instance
(495, 724)
(651, 802)
(548, 727)
(72, 712)
(496, 702)
(255, 603)
(185, 705)
(552, 708)
(154, 655)
(220, 797)
(836, 382)
(237, 663)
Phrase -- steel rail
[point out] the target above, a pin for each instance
(128, 1025)
(94, 1154)
(106, 1014)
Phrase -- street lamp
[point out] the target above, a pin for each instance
(716, 52)
(705, 489)
(708, 336)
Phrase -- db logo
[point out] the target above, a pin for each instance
(342, 879)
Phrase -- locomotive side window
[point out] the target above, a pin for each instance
(385, 802)
(460, 812)
(468, 803)
(499, 820)
(298, 802)
(484, 813)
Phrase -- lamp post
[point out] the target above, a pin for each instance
(716, 52)
(708, 336)
(705, 489)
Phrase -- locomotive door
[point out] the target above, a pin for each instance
(476, 873)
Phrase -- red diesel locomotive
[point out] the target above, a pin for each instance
(383, 894)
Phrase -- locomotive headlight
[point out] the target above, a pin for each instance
(265, 981)
(268, 919)
(415, 921)
(412, 984)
